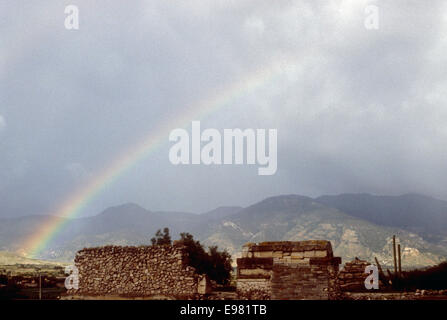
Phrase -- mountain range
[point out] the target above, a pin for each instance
(9, 258)
(358, 225)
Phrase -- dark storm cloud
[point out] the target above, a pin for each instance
(356, 110)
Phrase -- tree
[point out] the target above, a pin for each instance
(214, 263)
(220, 265)
(161, 238)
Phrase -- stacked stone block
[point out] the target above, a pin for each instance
(352, 276)
(288, 270)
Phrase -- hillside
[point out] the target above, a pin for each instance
(418, 213)
(9, 258)
(288, 217)
(297, 218)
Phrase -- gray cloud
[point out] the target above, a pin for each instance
(356, 110)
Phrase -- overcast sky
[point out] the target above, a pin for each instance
(356, 110)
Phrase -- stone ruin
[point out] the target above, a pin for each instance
(268, 270)
(144, 271)
(288, 270)
(352, 276)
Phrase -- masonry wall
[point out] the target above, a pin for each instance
(288, 270)
(352, 276)
(136, 271)
(254, 278)
(297, 281)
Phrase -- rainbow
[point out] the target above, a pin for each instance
(72, 206)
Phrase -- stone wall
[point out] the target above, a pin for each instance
(254, 277)
(288, 270)
(136, 271)
(317, 281)
(352, 276)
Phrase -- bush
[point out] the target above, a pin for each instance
(3, 279)
(161, 238)
(433, 278)
(214, 263)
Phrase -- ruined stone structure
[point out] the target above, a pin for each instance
(352, 276)
(136, 271)
(288, 270)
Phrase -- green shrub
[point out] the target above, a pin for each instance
(161, 238)
(214, 263)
